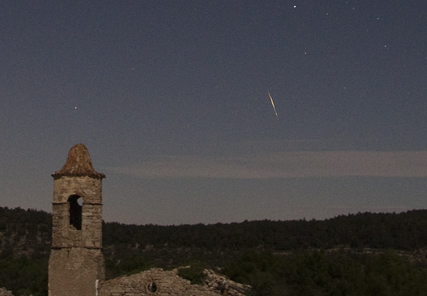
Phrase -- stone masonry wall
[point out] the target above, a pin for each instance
(156, 281)
(5, 292)
(76, 261)
(64, 235)
(153, 282)
(74, 271)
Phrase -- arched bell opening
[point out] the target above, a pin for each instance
(75, 207)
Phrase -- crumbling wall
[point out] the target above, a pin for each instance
(226, 286)
(156, 281)
(5, 292)
(152, 282)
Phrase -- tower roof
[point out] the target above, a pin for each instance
(78, 164)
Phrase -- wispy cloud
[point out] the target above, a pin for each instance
(285, 165)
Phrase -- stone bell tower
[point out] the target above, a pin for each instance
(76, 262)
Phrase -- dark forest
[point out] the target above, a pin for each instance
(356, 254)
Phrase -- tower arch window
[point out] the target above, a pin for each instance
(75, 208)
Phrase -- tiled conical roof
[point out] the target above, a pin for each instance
(78, 164)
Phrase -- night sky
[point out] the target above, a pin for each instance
(171, 99)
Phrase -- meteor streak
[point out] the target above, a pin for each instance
(272, 104)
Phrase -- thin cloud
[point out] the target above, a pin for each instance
(285, 165)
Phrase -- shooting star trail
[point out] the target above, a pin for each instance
(272, 104)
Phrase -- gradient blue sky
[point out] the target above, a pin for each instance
(171, 99)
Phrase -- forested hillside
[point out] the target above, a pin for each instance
(327, 257)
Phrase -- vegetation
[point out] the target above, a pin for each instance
(335, 273)
(194, 272)
(24, 276)
(357, 254)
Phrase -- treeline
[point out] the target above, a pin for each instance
(404, 231)
(25, 237)
(29, 232)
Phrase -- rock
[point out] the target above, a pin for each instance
(5, 292)
(226, 286)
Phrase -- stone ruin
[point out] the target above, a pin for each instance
(5, 292)
(157, 281)
(76, 264)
